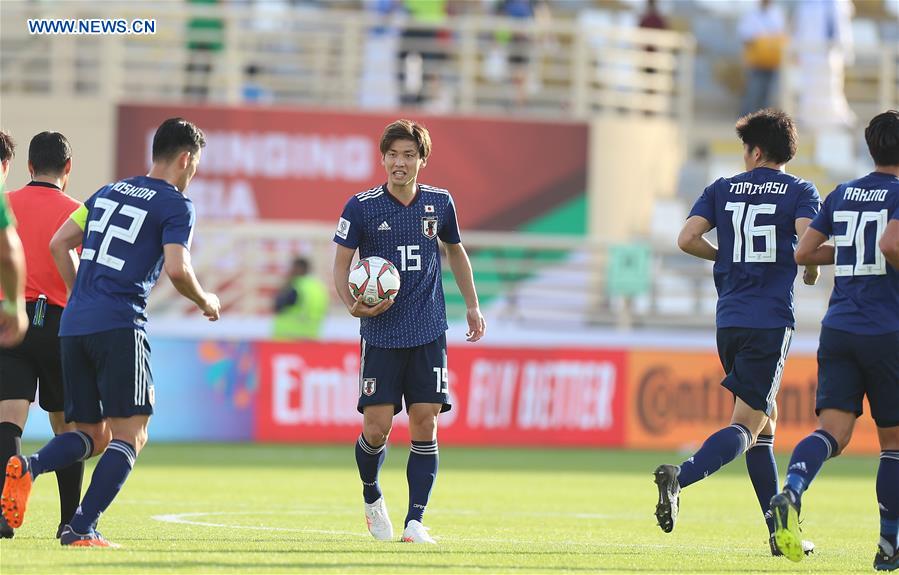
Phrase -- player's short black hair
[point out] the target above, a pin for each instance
(48, 153)
(174, 136)
(407, 130)
(882, 136)
(771, 131)
(7, 147)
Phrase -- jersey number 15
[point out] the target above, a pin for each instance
(109, 233)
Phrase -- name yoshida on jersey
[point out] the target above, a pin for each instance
(128, 224)
(377, 224)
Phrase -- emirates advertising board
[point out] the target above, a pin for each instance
(500, 396)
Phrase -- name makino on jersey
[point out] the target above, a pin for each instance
(865, 297)
(377, 224)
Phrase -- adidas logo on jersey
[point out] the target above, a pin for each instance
(384, 227)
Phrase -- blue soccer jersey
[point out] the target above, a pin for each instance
(377, 224)
(128, 224)
(865, 298)
(755, 213)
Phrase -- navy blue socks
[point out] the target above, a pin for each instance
(720, 448)
(421, 471)
(808, 457)
(888, 499)
(762, 468)
(62, 451)
(109, 476)
(369, 460)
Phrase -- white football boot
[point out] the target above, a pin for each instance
(378, 521)
(415, 532)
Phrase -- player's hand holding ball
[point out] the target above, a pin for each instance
(211, 306)
(362, 309)
(374, 283)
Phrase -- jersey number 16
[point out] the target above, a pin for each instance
(746, 231)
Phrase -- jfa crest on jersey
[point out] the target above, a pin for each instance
(865, 298)
(377, 224)
(128, 224)
(755, 213)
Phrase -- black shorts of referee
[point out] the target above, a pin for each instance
(35, 364)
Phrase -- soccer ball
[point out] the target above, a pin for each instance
(374, 279)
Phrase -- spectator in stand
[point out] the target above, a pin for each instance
(652, 18)
(762, 31)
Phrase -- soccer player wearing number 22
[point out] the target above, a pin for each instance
(858, 351)
(134, 227)
(759, 215)
(403, 341)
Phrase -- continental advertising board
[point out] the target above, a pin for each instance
(675, 401)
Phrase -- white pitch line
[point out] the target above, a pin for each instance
(183, 519)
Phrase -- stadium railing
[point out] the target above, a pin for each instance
(554, 281)
(351, 59)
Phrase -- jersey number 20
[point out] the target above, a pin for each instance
(745, 232)
(856, 225)
(109, 233)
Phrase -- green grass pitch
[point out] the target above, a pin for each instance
(204, 508)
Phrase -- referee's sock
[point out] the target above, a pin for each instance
(109, 476)
(69, 479)
(762, 468)
(10, 444)
(62, 451)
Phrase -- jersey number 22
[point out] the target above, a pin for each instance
(110, 233)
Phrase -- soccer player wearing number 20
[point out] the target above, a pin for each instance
(858, 351)
(403, 341)
(134, 228)
(759, 215)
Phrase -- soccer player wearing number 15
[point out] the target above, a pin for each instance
(858, 351)
(759, 215)
(403, 341)
(134, 227)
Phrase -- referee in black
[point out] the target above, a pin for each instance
(40, 208)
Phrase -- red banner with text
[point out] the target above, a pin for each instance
(294, 164)
(500, 396)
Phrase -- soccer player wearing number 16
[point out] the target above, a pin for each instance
(858, 351)
(759, 215)
(134, 227)
(403, 342)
